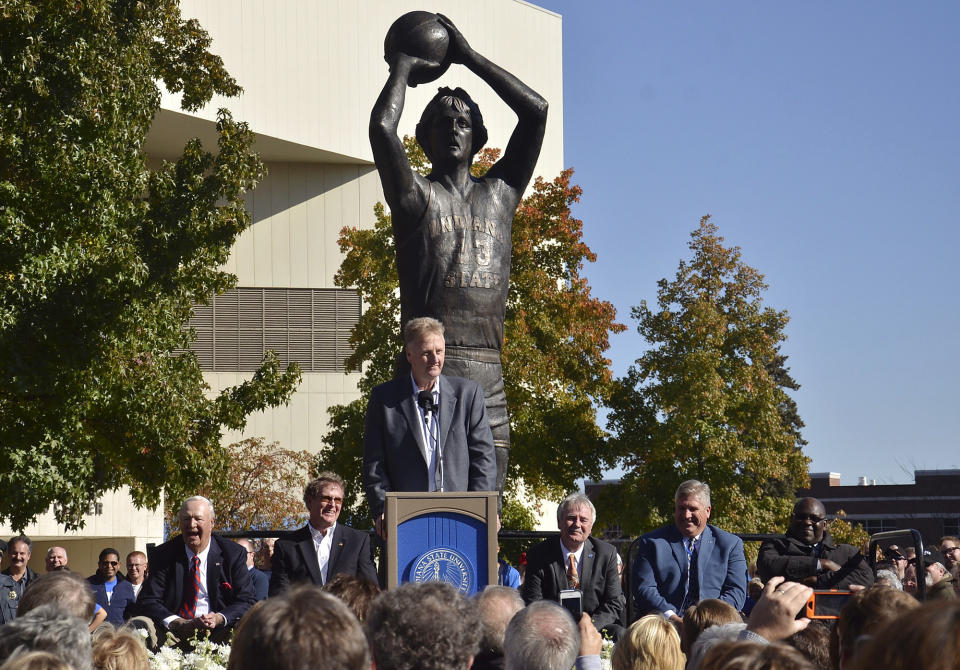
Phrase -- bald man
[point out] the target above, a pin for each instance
(808, 554)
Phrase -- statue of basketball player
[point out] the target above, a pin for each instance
(451, 229)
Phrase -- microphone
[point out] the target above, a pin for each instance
(425, 400)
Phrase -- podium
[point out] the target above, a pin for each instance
(450, 537)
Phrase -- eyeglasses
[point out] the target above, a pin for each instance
(809, 517)
(950, 550)
(110, 563)
(330, 500)
(136, 566)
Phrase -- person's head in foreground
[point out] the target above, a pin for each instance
(754, 656)
(51, 629)
(423, 626)
(300, 629)
(865, 613)
(67, 591)
(542, 636)
(119, 650)
(651, 643)
(928, 639)
(706, 613)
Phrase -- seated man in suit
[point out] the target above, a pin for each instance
(425, 431)
(808, 555)
(577, 561)
(198, 581)
(323, 548)
(678, 565)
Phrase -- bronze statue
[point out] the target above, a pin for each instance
(452, 230)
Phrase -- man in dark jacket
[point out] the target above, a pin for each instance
(939, 580)
(19, 551)
(8, 595)
(577, 561)
(111, 589)
(808, 555)
(198, 581)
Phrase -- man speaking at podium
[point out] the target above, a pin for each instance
(425, 431)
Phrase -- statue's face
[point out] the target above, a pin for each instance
(450, 136)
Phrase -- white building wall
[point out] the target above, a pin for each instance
(298, 212)
(312, 69)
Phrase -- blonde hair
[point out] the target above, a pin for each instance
(651, 643)
(119, 650)
(708, 612)
(35, 660)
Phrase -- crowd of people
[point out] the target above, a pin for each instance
(317, 604)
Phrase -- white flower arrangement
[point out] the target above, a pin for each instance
(606, 653)
(206, 655)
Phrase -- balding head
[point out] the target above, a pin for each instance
(809, 521)
(496, 606)
(542, 636)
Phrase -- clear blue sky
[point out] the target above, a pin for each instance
(823, 138)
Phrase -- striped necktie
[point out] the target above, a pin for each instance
(191, 591)
(692, 594)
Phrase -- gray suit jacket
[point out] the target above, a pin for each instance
(394, 456)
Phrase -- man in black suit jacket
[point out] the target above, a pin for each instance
(408, 447)
(168, 595)
(577, 561)
(323, 548)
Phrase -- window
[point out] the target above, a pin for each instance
(879, 525)
(306, 326)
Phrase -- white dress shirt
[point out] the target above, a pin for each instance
(429, 427)
(323, 543)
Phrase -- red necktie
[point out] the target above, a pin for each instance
(191, 591)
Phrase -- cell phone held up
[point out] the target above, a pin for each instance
(572, 601)
(826, 604)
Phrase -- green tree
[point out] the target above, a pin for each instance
(103, 258)
(707, 399)
(556, 335)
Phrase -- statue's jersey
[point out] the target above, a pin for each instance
(454, 262)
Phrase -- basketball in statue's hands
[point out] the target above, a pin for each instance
(419, 34)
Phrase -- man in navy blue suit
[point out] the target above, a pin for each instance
(681, 564)
(210, 593)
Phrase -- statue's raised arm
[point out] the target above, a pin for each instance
(520, 157)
